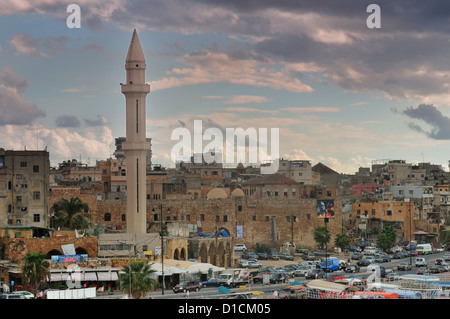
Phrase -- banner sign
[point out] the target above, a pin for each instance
(325, 208)
(68, 258)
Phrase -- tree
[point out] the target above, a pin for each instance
(34, 270)
(387, 238)
(72, 214)
(342, 241)
(137, 273)
(322, 236)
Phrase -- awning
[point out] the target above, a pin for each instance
(59, 276)
(89, 276)
(107, 276)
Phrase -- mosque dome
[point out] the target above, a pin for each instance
(237, 193)
(217, 193)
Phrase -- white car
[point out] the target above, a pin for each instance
(251, 263)
(26, 294)
(240, 247)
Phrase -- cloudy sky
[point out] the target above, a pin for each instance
(339, 92)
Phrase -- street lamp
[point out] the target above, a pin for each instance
(129, 266)
(162, 243)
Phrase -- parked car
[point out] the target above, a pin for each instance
(319, 252)
(398, 255)
(250, 255)
(423, 271)
(437, 269)
(210, 283)
(392, 276)
(240, 247)
(26, 294)
(251, 263)
(356, 256)
(262, 256)
(277, 277)
(352, 268)
(363, 262)
(315, 273)
(286, 256)
(260, 277)
(404, 266)
(383, 257)
(309, 256)
(302, 271)
(12, 296)
(185, 286)
(273, 254)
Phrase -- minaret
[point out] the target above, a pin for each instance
(136, 146)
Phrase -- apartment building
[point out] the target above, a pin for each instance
(24, 188)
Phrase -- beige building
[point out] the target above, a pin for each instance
(298, 170)
(24, 185)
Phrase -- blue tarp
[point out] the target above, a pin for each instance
(224, 290)
(221, 233)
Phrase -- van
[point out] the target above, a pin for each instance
(420, 262)
(370, 251)
(330, 264)
(424, 249)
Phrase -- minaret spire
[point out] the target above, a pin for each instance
(136, 145)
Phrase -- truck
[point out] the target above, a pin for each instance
(233, 277)
(424, 249)
(330, 264)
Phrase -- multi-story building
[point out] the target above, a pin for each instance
(297, 170)
(24, 188)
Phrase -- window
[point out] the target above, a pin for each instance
(155, 216)
(266, 218)
(202, 217)
(389, 212)
(329, 193)
(373, 212)
(294, 191)
(36, 195)
(36, 218)
(285, 192)
(107, 217)
(308, 216)
(124, 217)
(188, 217)
(35, 168)
(254, 218)
(23, 164)
(225, 218)
(24, 186)
(239, 208)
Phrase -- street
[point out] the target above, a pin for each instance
(269, 289)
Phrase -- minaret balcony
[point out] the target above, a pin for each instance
(135, 88)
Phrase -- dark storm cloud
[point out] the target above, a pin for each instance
(432, 116)
(14, 109)
(67, 121)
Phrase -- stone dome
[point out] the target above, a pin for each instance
(217, 193)
(237, 193)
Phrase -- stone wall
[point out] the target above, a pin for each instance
(17, 248)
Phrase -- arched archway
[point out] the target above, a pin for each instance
(53, 252)
(221, 255)
(81, 251)
(203, 255)
(183, 254)
(175, 254)
(212, 254)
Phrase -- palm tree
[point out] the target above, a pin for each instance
(137, 274)
(72, 214)
(34, 270)
(322, 236)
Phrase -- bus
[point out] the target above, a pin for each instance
(424, 249)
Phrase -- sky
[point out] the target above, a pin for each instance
(339, 92)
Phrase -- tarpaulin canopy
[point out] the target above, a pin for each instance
(221, 233)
